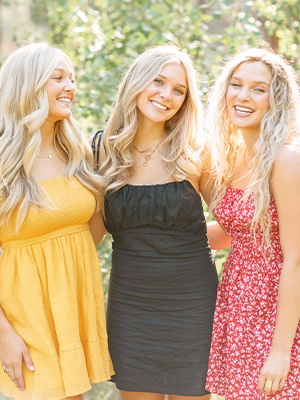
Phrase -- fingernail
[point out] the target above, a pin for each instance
(21, 388)
(31, 368)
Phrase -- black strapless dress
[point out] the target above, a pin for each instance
(162, 289)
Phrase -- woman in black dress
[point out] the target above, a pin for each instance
(163, 280)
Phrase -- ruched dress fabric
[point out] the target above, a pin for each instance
(51, 293)
(247, 306)
(162, 289)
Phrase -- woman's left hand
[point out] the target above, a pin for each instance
(274, 372)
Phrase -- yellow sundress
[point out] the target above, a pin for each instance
(51, 293)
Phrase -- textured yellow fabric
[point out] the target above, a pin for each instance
(51, 293)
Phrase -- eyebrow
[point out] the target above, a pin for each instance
(180, 84)
(62, 69)
(256, 82)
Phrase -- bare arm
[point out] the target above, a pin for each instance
(217, 237)
(96, 222)
(206, 182)
(13, 352)
(97, 227)
(285, 186)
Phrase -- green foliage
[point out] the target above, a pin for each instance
(102, 391)
(103, 37)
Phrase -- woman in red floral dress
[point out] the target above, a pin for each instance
(254, 109)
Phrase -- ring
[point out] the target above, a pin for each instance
(5, 369)
(268, 384)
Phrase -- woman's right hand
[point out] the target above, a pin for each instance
(13, 351)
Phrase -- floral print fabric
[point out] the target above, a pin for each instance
(246, 307)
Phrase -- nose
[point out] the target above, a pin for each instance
(165, 92)
(244, 94)
(70, 86)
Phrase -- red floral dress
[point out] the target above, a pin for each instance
(246, 307)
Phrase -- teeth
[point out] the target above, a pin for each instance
(159, 105)
(244, 110)
(65, 100)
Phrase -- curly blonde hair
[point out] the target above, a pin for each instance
(279, 125)
(184, 140)
(24, 108)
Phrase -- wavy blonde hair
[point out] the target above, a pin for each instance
(24, 108)
(279, 124)
(183, 142)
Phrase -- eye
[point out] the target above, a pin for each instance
(260, 90)
(179, 91)
(58, 78)
(158, 81)
(235, 84)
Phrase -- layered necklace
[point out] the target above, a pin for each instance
(148, 152)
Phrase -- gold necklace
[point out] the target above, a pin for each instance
(147, 156)
(50, 155)
(245, 160)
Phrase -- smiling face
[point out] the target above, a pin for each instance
(161, 100)
(247, 96)
(61, 91)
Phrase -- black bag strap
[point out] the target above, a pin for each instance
(96, 142)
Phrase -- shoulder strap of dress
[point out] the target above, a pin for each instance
(96, 142)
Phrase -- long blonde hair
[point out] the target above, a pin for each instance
(279, 124)
(183, 142)
(24, 108)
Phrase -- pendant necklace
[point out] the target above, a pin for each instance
(150, 151)
(50, 155)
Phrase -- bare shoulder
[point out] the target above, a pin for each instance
(90, 140)
(288, 158)
(285, 188)
(286, 169)
(96, 138)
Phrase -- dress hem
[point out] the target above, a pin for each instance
(156, 390)
(71, 394)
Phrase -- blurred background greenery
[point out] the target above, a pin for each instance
(103, 37)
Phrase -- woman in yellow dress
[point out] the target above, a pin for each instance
(53, 340)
